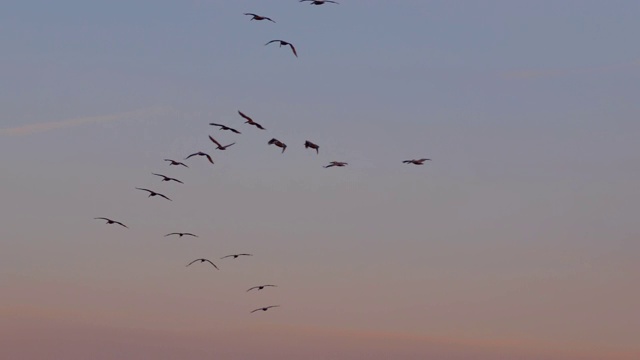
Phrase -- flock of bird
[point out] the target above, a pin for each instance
(248, 120)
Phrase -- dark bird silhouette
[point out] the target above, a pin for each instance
(235, 256)
(416, 161)
(166, 178)
(203, 260)
(200, 153)
(319, 2)
(220, 147)
(250, 120)
(278, 143)
(308, 144)
(258, 17)
(265, 308)
(260, 287)
(153, 193)
(224, 127)
(336, 163)
(284, 43)
(181, 234)
(173, 162)
(109, 221)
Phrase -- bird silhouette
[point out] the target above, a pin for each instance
(250, 120)
(319, 2)
(278, 143)
(235, 256)
(203, 260)
(416, 161)
(220, 147)
(258, 17)
(200, 153)
(109, 221)
(224, 127)
(153, 193)
(181, 234)
(166, 178)
(173, 162)
(260, 287)
(308, 144)
(265, 308)
(284, 43)
(336, 163)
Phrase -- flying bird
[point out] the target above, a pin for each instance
(200, 153)
(153, 193)
(250, 121)
(258, 17)
(416, 161)
(224, 127)
(181, 234)
(284, 43)
(265, 308)
(260, 287)
(308, 144)
(220, 147)
(109, 221)
(235, 256)
(319, 2)
(173, 162)
(278, 143)
(336, 163)
(166, 178)
(203, 260)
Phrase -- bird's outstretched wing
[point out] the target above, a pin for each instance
(101, 218)
(149, 191)
(160, 175)
(190, 234)
(172, 234)
(209, 158)
(255, 287)
(214, 265)
(226, 256)
(196, 260)
(164, 196)
(293, 49)
(121, 224)
(226, 146)
(250, 14)
(272, 41)
(194, 154)
(245, 116)
(258, 126)
(214, 141)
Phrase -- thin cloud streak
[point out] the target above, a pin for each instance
(48, 126)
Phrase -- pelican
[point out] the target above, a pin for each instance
(416, 162)
(250, 121)
(308, 144)
(319, 2)
(181, 234)
(235, 256)
(166, 178)
(265, 308)
(173, 162)
(260, 287)
(336, 163)
(258, 17)
(278, 143)
(200, 153)
(153, 193)
(220, 147)
(203, 260)
(284, 43)
(109, 221)
(224, 127)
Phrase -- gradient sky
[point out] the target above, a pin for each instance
(518, 241)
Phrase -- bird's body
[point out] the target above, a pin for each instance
(258, 17)
(181, 234)
(224, 127)
(319, 2)
(203, 260)
(265, 308)
(235, 256)
(336, 163)
(166, 178)
(284, 43)
(153, 193)
(109, 221)
(308, 144)
(200, 153)
(416, 161)
(260, 287)
(173, 162)
(278, 143)
(250, 120)
(220, 146)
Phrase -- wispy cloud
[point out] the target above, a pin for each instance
(47, 126)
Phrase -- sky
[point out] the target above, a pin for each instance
(518, 240)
